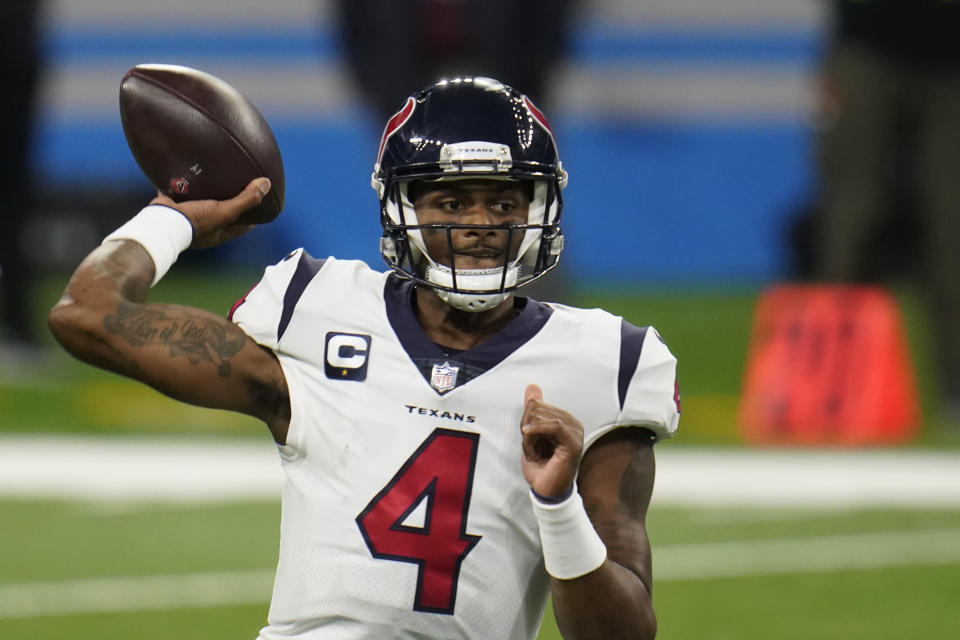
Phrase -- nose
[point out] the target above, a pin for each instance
(480, 215)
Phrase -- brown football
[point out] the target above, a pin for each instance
(195, 137)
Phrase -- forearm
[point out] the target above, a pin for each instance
(605, 594)
(116, 272)
(120, 271)
(189, 354)
(595, 563)
(103, 319)
(609, 603)
(186, 353)
(120, 268)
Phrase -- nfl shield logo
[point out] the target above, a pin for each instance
(444, 377)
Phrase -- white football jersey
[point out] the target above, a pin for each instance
(405, 512)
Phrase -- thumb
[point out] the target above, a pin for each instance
(252, 194)
(533, 392)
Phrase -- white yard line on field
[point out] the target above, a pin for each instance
(168, 469)
(815, 554)
(807, 477)
(714, 560)
(103, 468)
(135, 593)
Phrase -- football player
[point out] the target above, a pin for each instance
(454, 453)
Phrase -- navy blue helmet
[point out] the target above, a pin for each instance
(469, 128)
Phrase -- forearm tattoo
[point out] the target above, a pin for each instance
(193, 336)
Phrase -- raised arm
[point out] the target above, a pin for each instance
(189, 354)
(594, 534)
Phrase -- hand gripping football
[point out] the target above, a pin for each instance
(195, 137)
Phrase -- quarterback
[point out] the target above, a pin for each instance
(454, 453)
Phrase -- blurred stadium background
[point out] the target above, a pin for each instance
(686, 127)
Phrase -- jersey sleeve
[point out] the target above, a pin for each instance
(646, 390)
(649, 395)
(265, 310)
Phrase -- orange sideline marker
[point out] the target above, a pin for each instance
(828, 365)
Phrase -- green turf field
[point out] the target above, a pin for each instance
(104, 571)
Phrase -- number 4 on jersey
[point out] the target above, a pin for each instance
(440, 473)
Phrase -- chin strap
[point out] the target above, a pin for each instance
(473, 302)
(475, 280)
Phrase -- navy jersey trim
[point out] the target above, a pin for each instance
(398, 295)
(307, 268)
(631, 344)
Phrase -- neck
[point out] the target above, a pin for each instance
(458, 329)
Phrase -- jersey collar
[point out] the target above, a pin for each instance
(398, 296)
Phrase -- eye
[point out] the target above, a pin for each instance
(507, 207)
(450, 205)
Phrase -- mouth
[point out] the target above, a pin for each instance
(479, 252)
(478, 257)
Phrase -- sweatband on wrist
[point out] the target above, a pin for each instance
(571, 546)
(162, 231)
(553, 499)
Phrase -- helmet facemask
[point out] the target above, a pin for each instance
(538, 244)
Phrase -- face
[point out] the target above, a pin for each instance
(485, 203)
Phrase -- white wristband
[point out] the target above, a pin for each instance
(162, 231)
(571, 546)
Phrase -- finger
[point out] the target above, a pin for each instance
(251, 196)
(557, 425)
(529, 448)
(532, 392)
(538, 428)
